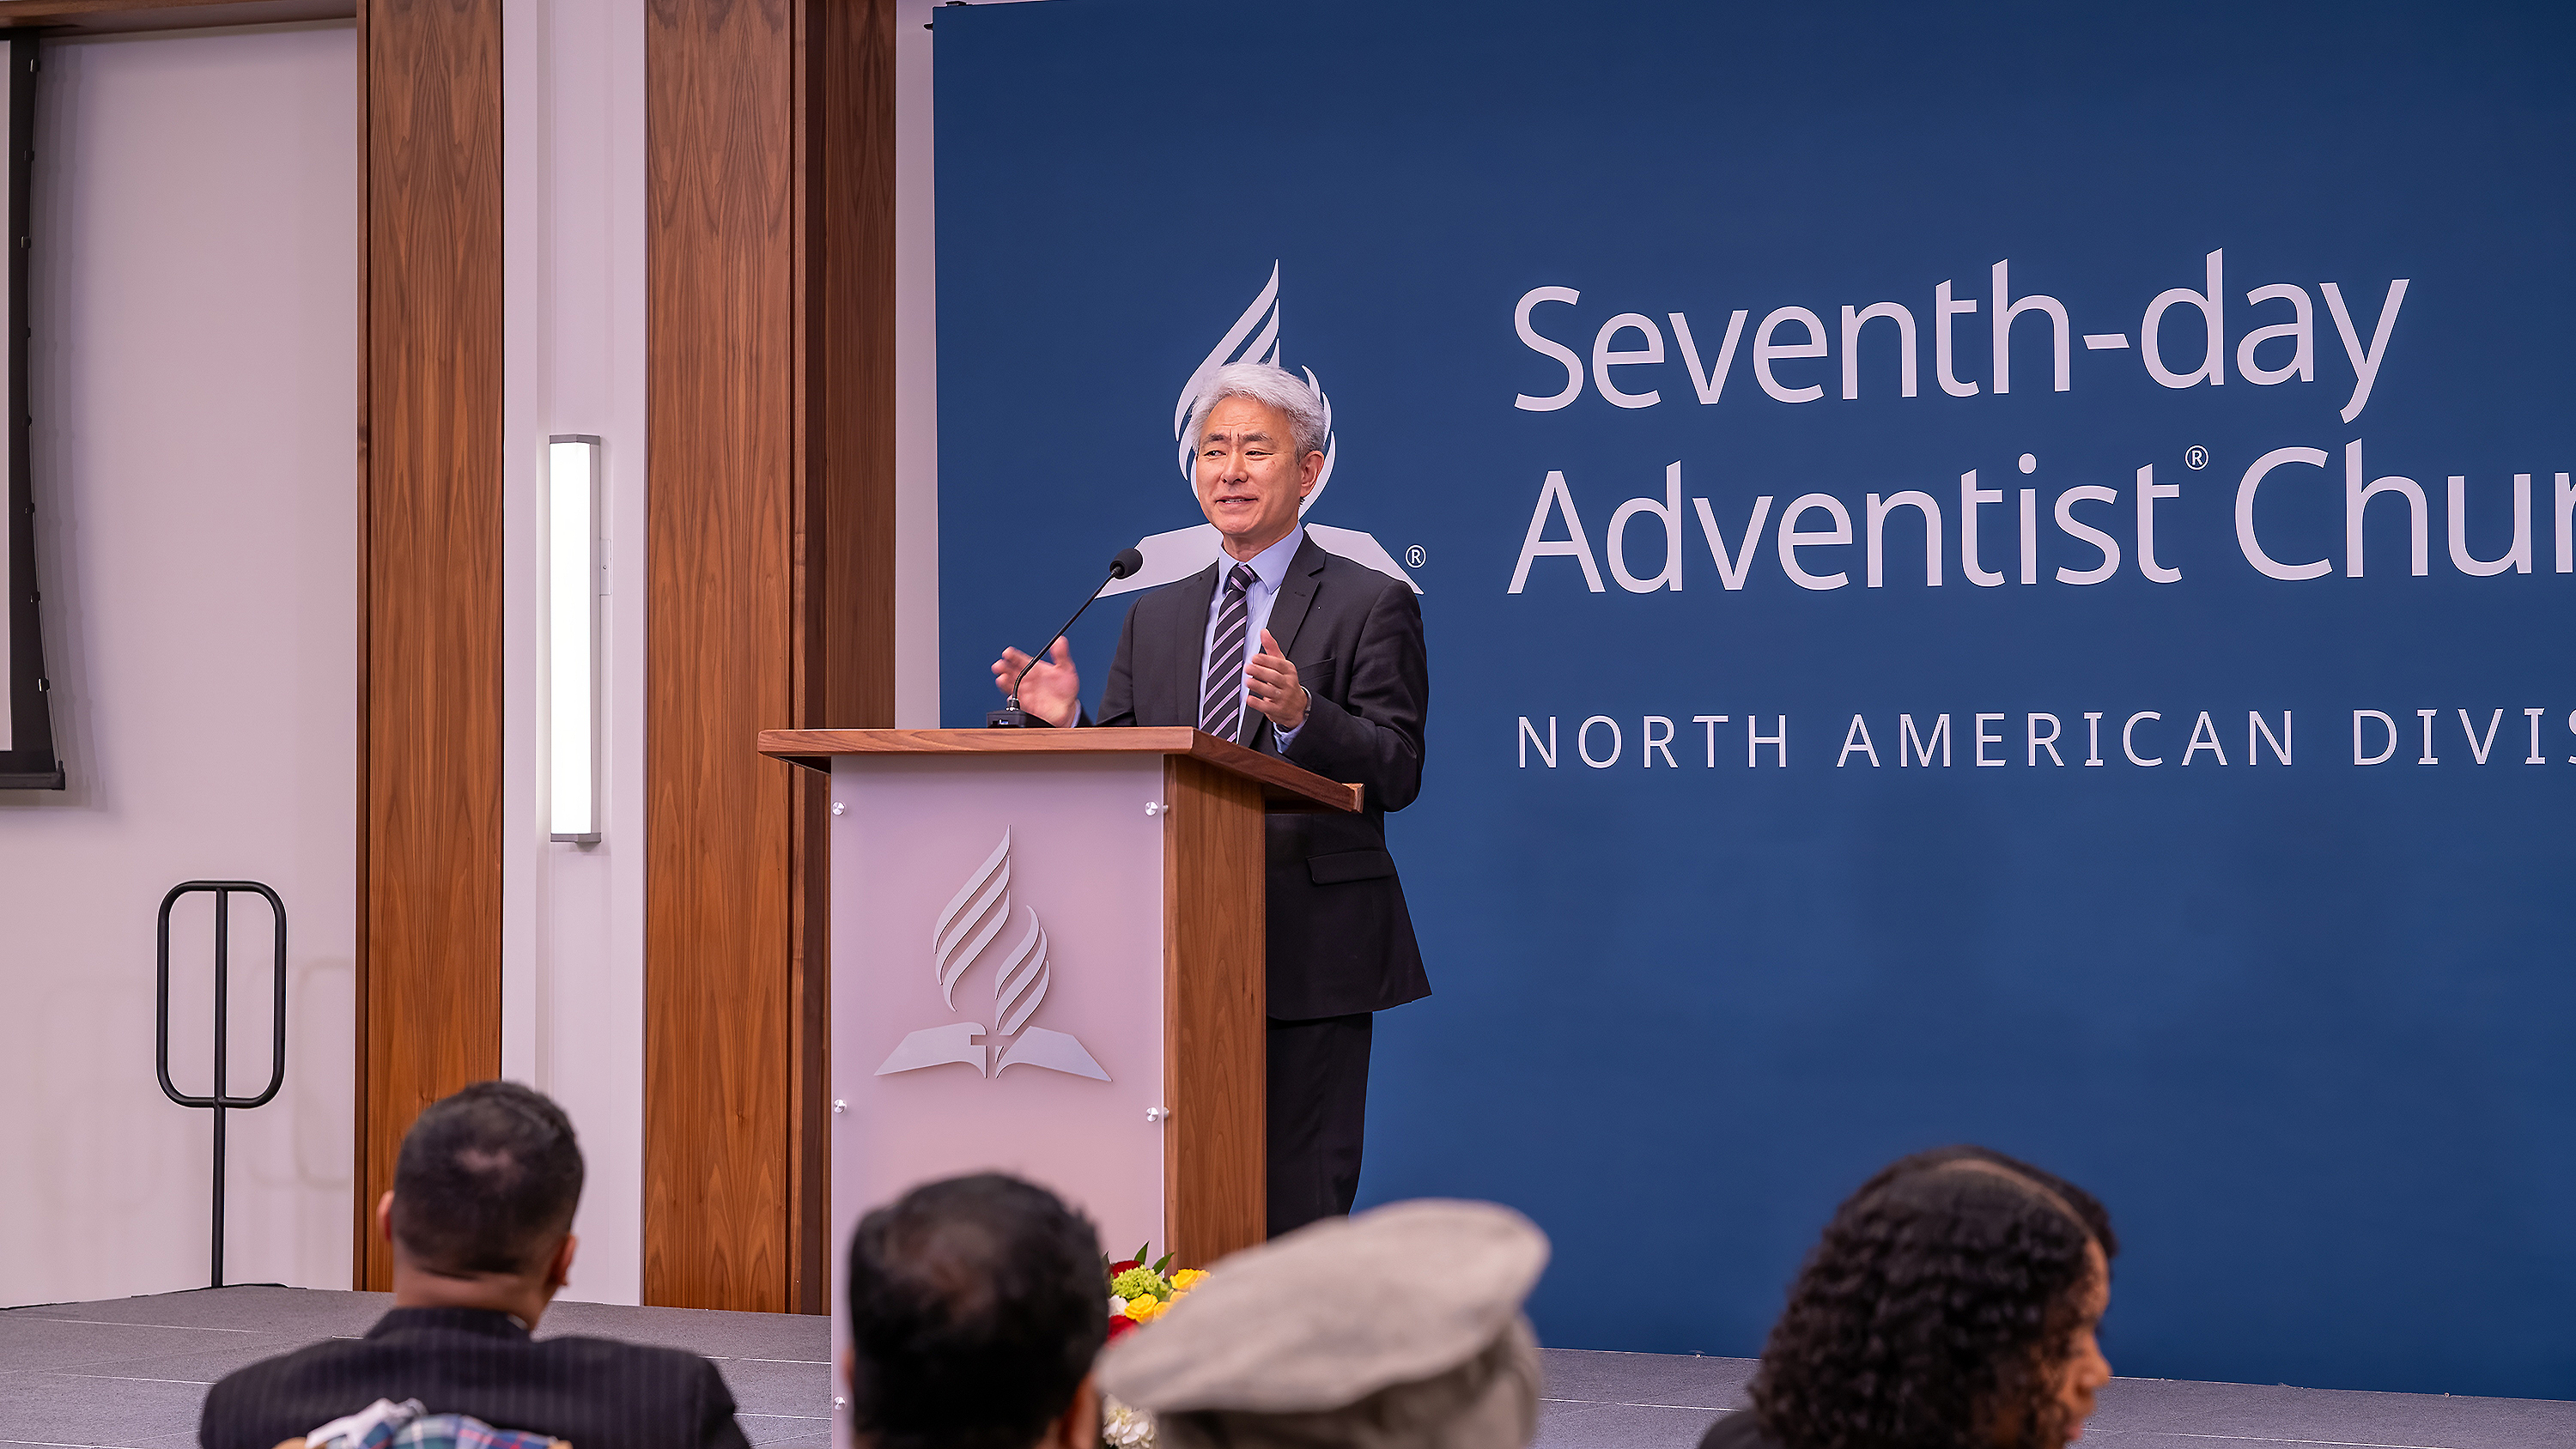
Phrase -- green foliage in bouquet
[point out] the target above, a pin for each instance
(1141, 1283)
(1133, 1279)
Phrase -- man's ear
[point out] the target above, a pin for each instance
(559, 1271)
(1078, 1427)
(385, 1216)
(1308, 472)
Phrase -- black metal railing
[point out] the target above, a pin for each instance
(217, 1100)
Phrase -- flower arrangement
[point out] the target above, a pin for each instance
(1139, 1293)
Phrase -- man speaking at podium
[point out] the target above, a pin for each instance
(1288, 649)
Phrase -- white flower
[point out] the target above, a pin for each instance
(1117, 1306)
(1125, 1428)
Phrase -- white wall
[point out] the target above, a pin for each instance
(916, 388)
(573, 362)
(193, 371)
(195, 376)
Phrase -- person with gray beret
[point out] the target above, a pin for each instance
(1396, 1329)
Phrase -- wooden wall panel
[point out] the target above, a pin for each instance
(846, 536)
(720, 300)
(429, 849)
(769, 325)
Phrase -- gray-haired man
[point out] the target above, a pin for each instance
(1290, 649)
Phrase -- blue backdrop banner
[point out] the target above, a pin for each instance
(1992, 575)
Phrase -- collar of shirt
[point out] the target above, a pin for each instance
(1272, 566)
(490, 1322)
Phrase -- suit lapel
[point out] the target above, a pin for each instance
(1189, 642)
(1297, 595)
(1287, 616)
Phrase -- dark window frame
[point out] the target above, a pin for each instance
(34, 763)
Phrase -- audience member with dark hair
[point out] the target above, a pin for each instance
(976, 1308)
(1951, 1304)
(480, 1219)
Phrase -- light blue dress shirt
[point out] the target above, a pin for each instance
(1271, 565)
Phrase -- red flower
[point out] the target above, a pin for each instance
(1117, 1268)
(1120, 1325)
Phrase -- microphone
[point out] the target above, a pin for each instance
(1010, 716)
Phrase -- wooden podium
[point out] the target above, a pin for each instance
(1046, 958)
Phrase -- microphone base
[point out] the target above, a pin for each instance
(1014, 719)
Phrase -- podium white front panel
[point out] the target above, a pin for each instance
(997, 979)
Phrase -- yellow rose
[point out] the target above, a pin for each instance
(1187, 1279)
(1145, 1308)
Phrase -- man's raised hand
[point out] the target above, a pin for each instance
(1052, 691)
(1273, 685)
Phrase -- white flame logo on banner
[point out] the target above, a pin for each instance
(969, 924)
(1171, 557)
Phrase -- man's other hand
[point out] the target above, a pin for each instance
(1052, 691)
(1274, 687)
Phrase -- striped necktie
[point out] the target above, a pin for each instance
(1221, 703)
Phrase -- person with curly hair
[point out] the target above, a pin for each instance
(1951, 1304)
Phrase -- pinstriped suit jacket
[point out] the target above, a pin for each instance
(597, 1393)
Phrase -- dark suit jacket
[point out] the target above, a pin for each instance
(1341, 940)
(594, 1392)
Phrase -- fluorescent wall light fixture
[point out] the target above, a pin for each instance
(573, 578)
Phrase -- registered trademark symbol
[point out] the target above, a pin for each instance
(2197, 457)
(1416, 556)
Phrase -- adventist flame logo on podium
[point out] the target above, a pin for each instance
(972, 920)
(1171, 557)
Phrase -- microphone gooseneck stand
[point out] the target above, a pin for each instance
(1010, 716)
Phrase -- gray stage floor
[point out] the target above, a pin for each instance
(132, 1371)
